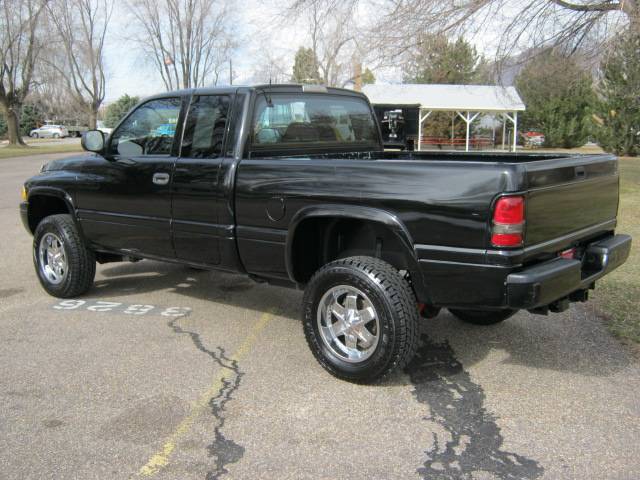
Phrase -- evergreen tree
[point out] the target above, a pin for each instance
(32, 117)
(305, 67)
(439, 60)
(559, 98)
(368, 77)
(619, 105)
(3, 125)
(118, 109)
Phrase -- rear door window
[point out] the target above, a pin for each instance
(205, 127)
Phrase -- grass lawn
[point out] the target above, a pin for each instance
(618, 294)
(8, 152)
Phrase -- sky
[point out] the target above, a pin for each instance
(129, 72)
(259, 28)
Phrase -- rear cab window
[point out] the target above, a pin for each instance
(308, 122)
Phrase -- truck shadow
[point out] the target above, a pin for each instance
(575, 341)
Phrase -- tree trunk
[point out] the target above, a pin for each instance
(93, 119)
(13, 125)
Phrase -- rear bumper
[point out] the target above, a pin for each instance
(555, 279)
(463, 282)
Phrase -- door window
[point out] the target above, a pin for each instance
(149, 130)
(205, 127)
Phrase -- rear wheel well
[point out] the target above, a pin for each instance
(42, 206)
(318, 241)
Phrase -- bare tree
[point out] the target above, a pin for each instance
(334, 36)
(81, 26)
(188, 41)
(52, 93)
(537, 24)
(271, 68)
(20, 46)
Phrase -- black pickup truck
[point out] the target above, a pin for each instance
(290, 185)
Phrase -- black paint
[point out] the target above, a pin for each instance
(474, 441)
(436, 206)
(222, 449)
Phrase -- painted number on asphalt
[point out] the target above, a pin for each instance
(117, 307)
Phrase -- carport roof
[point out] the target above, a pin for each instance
(475, 98)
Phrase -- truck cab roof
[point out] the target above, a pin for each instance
(263, 88)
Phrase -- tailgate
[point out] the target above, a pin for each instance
(567, 194)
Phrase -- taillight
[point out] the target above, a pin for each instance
(508, 222)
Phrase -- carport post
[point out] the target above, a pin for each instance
(420, 120)
(419, 127)
(514, 120)
(515, 130)
(504, 129)
(468, 119)
(466, 143)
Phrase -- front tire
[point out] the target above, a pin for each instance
(65, 266)
(482, 317)
(360, 319)
(34, 135)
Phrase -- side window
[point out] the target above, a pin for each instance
(206, 124)
(149, 130)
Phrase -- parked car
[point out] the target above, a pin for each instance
(260, 181)
(533, 139)
(49, 131)
(76, 130)
(167, 129)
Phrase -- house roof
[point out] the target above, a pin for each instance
(476, 98)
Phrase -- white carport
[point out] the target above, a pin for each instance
(467, 101)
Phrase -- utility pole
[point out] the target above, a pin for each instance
(230, 72)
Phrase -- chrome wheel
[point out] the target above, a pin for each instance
(53, 260)
(348, 323)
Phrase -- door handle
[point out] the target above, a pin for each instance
(161, 178)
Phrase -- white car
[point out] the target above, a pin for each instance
(49, 131)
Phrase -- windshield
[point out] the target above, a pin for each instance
(313, 120)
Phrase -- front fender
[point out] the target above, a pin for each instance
(52, 192)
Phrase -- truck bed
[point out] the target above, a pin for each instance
(566, 193)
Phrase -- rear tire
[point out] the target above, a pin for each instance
(376, 319)
(65, 266)
(482, 317)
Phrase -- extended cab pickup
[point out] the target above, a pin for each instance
(291, 185)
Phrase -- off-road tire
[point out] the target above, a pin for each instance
(396, 308)
(482, 317)
(81, 261)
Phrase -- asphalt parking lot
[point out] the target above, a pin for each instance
(170, 373)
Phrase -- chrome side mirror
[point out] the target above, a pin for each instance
(93, 141)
